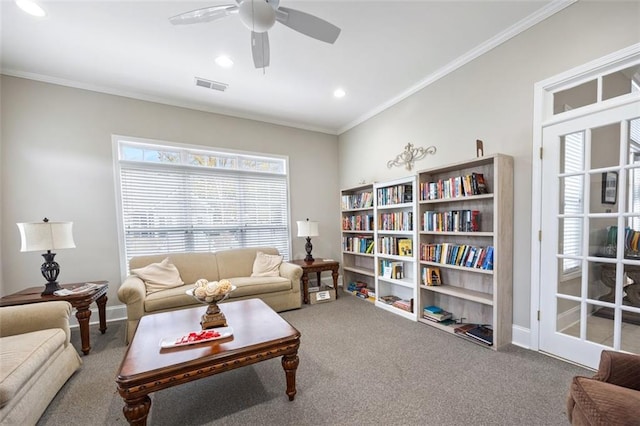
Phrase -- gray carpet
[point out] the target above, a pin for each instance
(359, 365)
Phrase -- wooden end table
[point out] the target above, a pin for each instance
(80, 302)
(318, 266)
(259, 333)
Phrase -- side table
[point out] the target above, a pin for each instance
(80, 302)
(317, 266)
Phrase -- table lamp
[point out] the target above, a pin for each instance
(45, 235)
(308, 229)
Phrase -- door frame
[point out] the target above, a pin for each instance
(542, 117)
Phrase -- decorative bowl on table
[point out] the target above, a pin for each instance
(211, 293)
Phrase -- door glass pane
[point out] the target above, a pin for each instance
(602, 241)
(603, 285)
(572, 153)
(570, 282)
(570, 237)
(576, 97)
(605, 146)
(621, 82)
(600, 325)
(571, 194)
(568, 317)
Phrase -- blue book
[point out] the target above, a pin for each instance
(433, 309)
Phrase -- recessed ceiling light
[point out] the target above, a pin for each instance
(224, 61)
(32, 8)
(339, 93)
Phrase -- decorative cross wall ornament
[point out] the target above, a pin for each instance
(410, 155)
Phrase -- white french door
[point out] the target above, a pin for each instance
(590, 260)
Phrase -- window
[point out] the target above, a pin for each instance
(181, 199)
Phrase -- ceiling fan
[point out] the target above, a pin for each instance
(259, 16)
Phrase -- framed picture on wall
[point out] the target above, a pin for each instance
(609, 187)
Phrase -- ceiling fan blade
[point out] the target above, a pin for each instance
(308, 24)
(260, 49)
(207, 14)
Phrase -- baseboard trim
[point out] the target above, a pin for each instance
(521, 336)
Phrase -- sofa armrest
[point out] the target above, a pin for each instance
(620, 369)
(132, 293)
(34, 317)
(292, 272)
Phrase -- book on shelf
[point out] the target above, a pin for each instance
(481, 333)
(432, 309)
(405, 247)
(405, 305)
(390, 299)
(431, 275)
(437, 316)
(463, 328)
(480, 183)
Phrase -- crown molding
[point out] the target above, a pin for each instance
(162, 100)
(540, 15)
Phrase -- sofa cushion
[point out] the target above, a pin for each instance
(239, 262)
(266, 265)
(247, 286)
(605, 403)
(171, 298)
(190, 265)
(159, 276)
(22, 355)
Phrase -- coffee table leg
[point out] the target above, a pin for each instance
(137, 410)
(102, 312)
(83, 314)
(290, 365)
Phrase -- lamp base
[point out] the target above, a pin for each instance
(308, 247)
(50, 287)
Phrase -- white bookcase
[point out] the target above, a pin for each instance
(357, 232)
(473, 294)
(395, 230)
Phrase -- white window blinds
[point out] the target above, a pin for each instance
(572, 200)
(180, 200)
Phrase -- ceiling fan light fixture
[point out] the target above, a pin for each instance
(257, 15)
(224, 61)
(31, 7)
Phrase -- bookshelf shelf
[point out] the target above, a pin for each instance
(461, 292)
(404, 283)
(482, 294)
(360, 271)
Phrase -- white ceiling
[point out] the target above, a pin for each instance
(386, 51)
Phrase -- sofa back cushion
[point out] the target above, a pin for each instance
(239, 262)
(192, 266)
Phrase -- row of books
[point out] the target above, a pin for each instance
(431, 275)
(397, 194)
(392, 269)
(451, 221)
(396, 221)
(453, 187)
(363, 222)
(395, 246)
(359, 289)
(458, 255)
(362, 200)
(397, 302)
(358, 244)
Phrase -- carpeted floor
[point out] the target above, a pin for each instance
(359, 365)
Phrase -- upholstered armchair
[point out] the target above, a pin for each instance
(611, 396)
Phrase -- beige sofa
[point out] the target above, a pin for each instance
(281, 293)
(36, 359)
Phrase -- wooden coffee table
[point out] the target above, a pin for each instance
(259, 333)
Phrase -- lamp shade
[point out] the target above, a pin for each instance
(38, 236)
(307, 228)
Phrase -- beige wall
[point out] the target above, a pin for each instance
(491, 98)
(57, 162)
